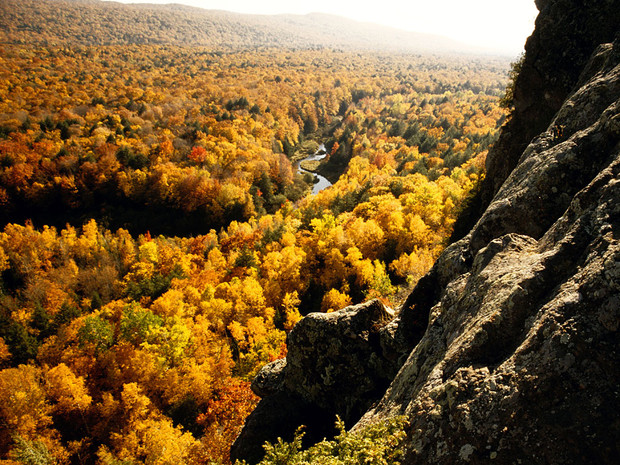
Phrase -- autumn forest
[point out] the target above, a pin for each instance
(158, 240)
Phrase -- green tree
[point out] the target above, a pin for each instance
(96, 331)
(507, 101)
(31, 452)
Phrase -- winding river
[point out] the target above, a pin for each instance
(320, 182)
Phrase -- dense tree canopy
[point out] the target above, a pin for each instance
(158, 242)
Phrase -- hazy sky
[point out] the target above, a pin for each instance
(496, 24)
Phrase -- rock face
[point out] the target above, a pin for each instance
(566, 34)
(520, 360)
(337, 364)
(508, 350)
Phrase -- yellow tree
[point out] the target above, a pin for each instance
(67, 390)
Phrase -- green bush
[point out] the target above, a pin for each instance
(379, 444)
(507, 100)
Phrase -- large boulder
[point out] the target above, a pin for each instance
(337, 363)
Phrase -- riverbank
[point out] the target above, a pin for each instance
(310, 164)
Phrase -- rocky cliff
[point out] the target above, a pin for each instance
(508, 349)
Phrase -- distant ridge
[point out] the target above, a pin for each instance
(93, 22)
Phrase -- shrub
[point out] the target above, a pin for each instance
(379, 444)
(507, 101)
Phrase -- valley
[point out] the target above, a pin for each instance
(159, 242)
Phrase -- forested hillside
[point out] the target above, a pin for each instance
(92, 22)
(158, 242)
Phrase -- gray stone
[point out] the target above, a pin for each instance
(278, 415)
(337, 364)
(336, 360)
(269, 379)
